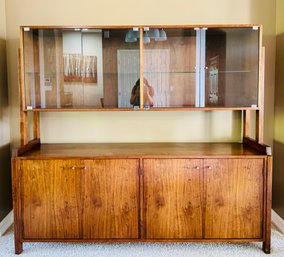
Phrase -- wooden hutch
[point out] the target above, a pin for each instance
(150, 192)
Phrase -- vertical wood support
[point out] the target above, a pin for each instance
(24, 128)
(23, 115)
(141, 68)
(246, 123)
(260, 111)
(36, 125)
(21, 75)
(18, 232)
(267, 206)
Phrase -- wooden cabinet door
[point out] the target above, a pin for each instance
(173, 198)
(233, 198)
(110, 199)
(50, 199)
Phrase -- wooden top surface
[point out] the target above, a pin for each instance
(139, 26)
(136, 150)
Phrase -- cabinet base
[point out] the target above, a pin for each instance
(19, 245)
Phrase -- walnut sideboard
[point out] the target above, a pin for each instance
(147, 192)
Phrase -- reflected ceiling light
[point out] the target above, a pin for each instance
(136, 33)
(131, 36)
(146, 38)
(157, 34)
(106, 33)
(162, 35)
(154, 33)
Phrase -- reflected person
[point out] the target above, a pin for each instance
(148, 93)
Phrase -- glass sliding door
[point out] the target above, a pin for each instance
(169, 56)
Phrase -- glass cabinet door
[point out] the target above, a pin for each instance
(80, 68)
(99, 68)
(169, 61)
(231, 67)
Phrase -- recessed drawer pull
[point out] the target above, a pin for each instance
(79, 167)
(209, 167)
(197, 167)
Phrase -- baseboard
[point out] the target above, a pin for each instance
(277, 221)
(6, 223)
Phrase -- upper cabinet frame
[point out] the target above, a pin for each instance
(184, 67)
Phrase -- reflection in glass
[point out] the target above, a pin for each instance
(231, 77)
(169, 61)
(79, 68)
(213, 79)
(148, 94)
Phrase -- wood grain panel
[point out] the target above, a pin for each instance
(164, 150)
(173, 198)
(233, 198)
(50, 199)
(110, 199)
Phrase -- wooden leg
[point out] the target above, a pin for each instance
(266, 246)
(18, 246)
(268, 201)
(17, 206)
(17, 236)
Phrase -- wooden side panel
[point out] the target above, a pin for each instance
(110, 199)
(50, 199)
(233, 198)
(173, 198)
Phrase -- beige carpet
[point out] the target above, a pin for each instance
(142, 249)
